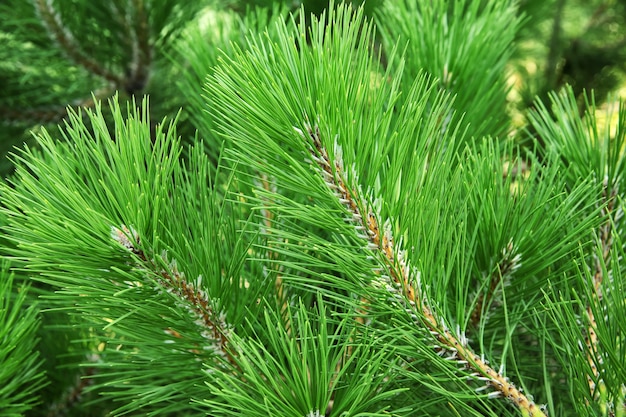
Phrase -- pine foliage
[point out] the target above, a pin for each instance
(20, 374)
(449, 39)
(365, 242)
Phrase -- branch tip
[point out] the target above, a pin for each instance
(189, 295)
(403, 282)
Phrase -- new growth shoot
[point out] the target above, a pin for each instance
(403, 281)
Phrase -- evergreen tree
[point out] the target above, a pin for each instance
(362, 237)
(56, 54)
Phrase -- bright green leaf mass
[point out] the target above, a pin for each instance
(344, 236)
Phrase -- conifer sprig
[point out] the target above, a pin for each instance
(347, 278)
(268, 220)
(612, 212)
(21, 373)
(141, 49)
(440, 41)
(402, 281)
(189, 295)
(64, 37)
(584, 150)
(74, 394)
(307, 370)
(510, 262)
(78, 208)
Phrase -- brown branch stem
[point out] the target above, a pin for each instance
(605, 235)
(51, 20)
(141, 49)
(74, 395)
(268, 223)
(508, 264)
(51, 114)
(401, 281)
(189, 295)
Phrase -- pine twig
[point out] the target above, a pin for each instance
(141, 49)
(137, 26)
(61, 34)
(611, 213)
(189, 295)
(268, 223)
(74, 395)
(500, 277)
(403, 282)
(52, 114)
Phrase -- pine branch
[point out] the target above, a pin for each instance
(306, 371)
(612, 212)
(584, 150)
(50, 114)
(268, 220)
(402, 282)
(387, 342)
(499, 278)
(75, 393)
(141, 48)
(21, 376)
(189, 295)
(447, 39)
(161, 325)
(59, 32)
